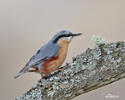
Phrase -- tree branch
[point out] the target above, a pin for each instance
(90, 70)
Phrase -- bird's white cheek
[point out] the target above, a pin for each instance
(69, 39)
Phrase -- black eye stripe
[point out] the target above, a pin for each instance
(65, 35)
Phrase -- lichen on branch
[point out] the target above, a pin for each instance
(89, 70)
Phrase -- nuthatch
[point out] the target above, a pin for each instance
(51, 55)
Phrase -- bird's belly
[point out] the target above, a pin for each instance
(52, 65)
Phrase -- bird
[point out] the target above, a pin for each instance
(50, 56)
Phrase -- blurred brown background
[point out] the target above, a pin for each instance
(26, 25)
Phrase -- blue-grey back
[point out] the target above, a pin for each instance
(45, 52)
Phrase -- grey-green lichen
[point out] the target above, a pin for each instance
(98, 40)
(92, 69)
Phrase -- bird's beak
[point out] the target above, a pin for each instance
(77, 34)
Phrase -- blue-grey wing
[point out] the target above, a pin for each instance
(47, 51)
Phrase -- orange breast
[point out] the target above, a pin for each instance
(54, 63)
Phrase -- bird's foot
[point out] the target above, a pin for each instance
(62, 72)
(42, 77)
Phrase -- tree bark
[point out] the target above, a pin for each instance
(88, 71)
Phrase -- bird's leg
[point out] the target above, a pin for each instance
(62, 70)
(42, 76)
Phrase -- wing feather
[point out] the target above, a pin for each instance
(47, 51)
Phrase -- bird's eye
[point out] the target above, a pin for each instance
(68, 35)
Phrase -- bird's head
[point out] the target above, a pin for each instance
(65, 36)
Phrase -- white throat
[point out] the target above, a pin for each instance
(67, 38)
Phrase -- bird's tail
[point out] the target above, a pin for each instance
(21, 72)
